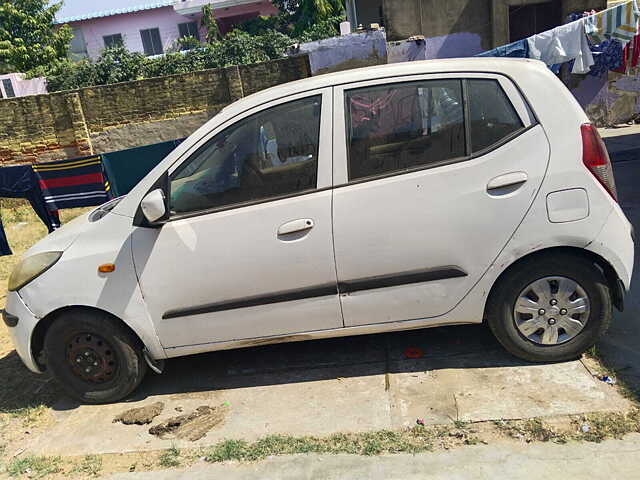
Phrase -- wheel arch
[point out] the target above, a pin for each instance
(613, 281)
(42, 327)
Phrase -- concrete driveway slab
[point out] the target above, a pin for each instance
(480, 394)
(355, 403)
(342, 385)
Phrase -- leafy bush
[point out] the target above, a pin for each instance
(67, 75)
(117, 64)
(259, 25)
(239, 47)
(185, 43)
(324, 29)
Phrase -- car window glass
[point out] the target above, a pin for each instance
(404, 126)
(269, 154)
(492, 116)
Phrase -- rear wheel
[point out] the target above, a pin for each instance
(93, 357)
(550, 308)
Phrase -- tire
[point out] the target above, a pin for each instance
(82, 341)
(507, 321)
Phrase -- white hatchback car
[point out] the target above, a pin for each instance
(389, 198)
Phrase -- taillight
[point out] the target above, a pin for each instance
(596, 158)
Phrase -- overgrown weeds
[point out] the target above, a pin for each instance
(90, 465)
(170, 458)
(35, 466)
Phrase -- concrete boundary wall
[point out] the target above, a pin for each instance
(106, 118)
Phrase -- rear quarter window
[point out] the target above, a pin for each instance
(492, 117)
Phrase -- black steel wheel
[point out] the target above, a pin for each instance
(93, 356)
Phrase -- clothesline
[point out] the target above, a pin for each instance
(579, 39)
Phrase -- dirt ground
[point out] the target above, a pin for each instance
(24, 397)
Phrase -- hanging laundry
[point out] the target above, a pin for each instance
(619, 23)
(629, 57)
(72, 183)
(126, 168)
(21, 182)
(5, 249)
(562, 44)
(519, 49)
(607, 56)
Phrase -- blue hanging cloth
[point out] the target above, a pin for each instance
(5, 249)
(608, 55)
(20, 182)
(519, 49)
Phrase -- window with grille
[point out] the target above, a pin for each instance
(112, 40)
(189, 29)
(151, 41)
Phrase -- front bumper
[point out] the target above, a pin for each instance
(22, 332)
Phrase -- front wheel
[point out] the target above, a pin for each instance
(550, 308)
(93, 357)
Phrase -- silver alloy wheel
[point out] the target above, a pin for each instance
(551, 310)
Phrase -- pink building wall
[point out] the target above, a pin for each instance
(164, 18)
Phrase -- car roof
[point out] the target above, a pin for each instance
(508, 66)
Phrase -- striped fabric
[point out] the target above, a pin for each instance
(72, 183)
(619, 23)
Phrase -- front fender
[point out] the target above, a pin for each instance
(75, 281)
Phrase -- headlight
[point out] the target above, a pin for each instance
(31, 268)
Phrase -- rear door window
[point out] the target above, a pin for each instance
(404, 126)
(492, 117)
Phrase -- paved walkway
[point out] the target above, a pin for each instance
(615, 459)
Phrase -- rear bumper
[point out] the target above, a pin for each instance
(24, 321)
(615, 244)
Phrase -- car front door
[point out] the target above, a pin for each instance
(432, 176)
(248, 250)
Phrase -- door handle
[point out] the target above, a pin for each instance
(507, 180)
(295, 226)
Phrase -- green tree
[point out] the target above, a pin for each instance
(211, 24)
(305, 13)
(28, 36)
(315, 11)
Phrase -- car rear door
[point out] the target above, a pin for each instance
(432, 174)
(248, 250)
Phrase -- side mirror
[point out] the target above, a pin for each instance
(154, 206)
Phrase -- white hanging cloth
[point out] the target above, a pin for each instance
(563, 44)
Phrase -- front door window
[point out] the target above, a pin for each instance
(267, 155)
